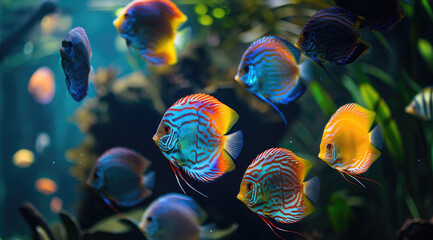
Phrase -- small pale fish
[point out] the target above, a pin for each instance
(118, 176)
(422, 104)
(347, 144)
(379, 14)
(174, 216)
(150, 26)
(192, 136)
(75, 59)
(332, 35)
(273, 186)
(270, 69)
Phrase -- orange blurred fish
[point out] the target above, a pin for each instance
(46, 186)
(347, 144)
(42, 85)
(150, 26)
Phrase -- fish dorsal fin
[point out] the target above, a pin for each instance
(278, 40)
(126, 156)
(341, 12)
(187, 202)
(82, 33)
(224, 116)
(177, 18)
(355, 113)
(294, 50)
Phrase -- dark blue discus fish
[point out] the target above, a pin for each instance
(76, 53)
(332, 34)
(379, 14)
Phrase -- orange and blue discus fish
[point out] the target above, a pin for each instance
(270, 69)
(379, 14)
(332, 35)
(118, 176)
(150, 26)
(273, 186)
(347, 144)
(75, 59)
(191, 136)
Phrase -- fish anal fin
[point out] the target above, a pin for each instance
(307, 206)
(163, 54)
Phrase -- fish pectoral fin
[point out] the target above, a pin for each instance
(357, 52)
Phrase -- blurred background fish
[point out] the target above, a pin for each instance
(332, 35)
(46, 186)
(75, 59)
(422, 104)
(118, 176)
(379, 14)
(192, 136)
(42, 85)
(347, 144)
(273, 187)
(270, 69)
(175, 216)
(151, 27)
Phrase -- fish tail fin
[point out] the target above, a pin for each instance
(312, 188)
(210, 231)
(182, 38)
(306, 70)
(149, 180)
(308, 206)
(376, 137)
(233, 144)
(272, 105)
(359, 50)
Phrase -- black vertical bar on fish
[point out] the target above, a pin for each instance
(8, 43)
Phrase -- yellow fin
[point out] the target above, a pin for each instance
(306, 167)
(355, 113)
(308, 207)
(163, 54)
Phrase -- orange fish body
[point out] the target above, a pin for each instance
(150, 26)
(347, 143)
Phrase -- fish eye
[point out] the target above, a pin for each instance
(305, 34)
(246, 68)
(149, 219)
(167, 129)
(249, 186)
(329, 146)
(126, 15)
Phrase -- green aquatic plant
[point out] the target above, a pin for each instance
(323, 98)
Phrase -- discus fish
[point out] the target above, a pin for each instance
(191, 136)
(42, 85)
(76, 53)
(332, 35)
(150, 26)
(422, 104)
(379, 14)
(347, 143)
(117, 175)
(273, 187)
(175, 216)
(270, 69)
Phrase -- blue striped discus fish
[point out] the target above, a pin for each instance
(273, 186)
(191, 136)
(332, 35)
(270, 69)
(379, 14)
(422, 104)
(76, 53)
